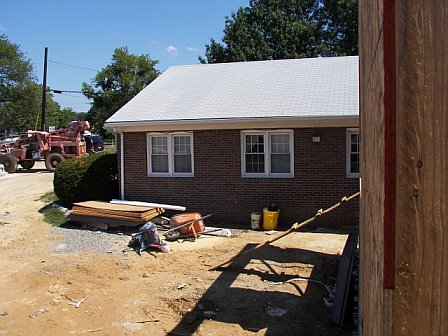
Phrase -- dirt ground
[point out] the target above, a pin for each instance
(122, 293)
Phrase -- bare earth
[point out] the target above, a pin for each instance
(45, 292)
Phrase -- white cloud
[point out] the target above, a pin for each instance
(172, 50)
(2, 28)
(192, 49)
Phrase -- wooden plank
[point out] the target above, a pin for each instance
(137, 215)
(343, 284)
(118, 217)
(374, 305)
(155, 205)
(110, 206)
(390, 135)
(388, 314)
(421, 296)
(108, 221)
(420, 299)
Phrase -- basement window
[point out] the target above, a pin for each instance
(267, 153)
(170, 154)
(352, 153)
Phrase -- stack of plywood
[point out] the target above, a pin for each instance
(113, 214)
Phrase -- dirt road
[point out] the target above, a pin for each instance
(111, 292)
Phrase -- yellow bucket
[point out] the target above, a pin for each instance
(270, 219)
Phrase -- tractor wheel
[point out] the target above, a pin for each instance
(27, 164)
(9, 161)
(53, 160)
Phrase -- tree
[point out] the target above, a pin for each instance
(281, 29)
(21, 96)
(20, 110)
(23, 111)
(340, 19)
(116, 84)
(80, 116)
(15, 69)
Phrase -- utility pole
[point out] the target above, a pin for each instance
(44, 92)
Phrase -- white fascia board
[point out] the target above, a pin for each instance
(236, 123)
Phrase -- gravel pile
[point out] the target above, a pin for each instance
(79, 240)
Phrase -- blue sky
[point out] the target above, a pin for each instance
(85, 33)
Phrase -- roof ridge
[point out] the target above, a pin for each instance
(260, 61)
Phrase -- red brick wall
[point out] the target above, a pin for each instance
(217, 186)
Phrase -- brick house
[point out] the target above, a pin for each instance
(231, 138)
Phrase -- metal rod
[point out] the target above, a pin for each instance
(294, 227)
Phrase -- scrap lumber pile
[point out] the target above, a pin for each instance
(113, 214)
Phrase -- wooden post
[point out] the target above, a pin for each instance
(44, 92)
(421, 306)
(375, 301)
(404, 167)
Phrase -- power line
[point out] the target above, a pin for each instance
(70, 95)
(63, 91)
(74, 66)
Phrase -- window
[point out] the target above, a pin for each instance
(170, 154)
(353, 153)
(267, 153)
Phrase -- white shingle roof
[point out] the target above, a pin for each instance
(310, 87)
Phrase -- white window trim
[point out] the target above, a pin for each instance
(267, 156)
(170, 142)
(348, 143)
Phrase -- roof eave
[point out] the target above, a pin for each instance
(234, 123)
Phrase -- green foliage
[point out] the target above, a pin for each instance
(48, 197)
(17, 88)
(14, 68)
(20, 112)
(89, 178)
(80, 116)
(53, 217)
(24, 112)
(21, 96)
(57, 117)
(116, 84)
(340, 22)
(281, 29)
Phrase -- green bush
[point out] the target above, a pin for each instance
(90, 178)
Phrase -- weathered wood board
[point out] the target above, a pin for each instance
(115, 211)
(374, 304)
(421, 291)
(344, 282)
(404, 266)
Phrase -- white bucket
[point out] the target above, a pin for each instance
(255, 220)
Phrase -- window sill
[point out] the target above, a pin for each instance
(170, 176)
(266, 177)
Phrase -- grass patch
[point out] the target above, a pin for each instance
(110, 149)
(52, 216)
(49, 197)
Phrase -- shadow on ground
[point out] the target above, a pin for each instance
(280, 309)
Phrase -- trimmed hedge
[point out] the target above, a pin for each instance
(94, 177)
